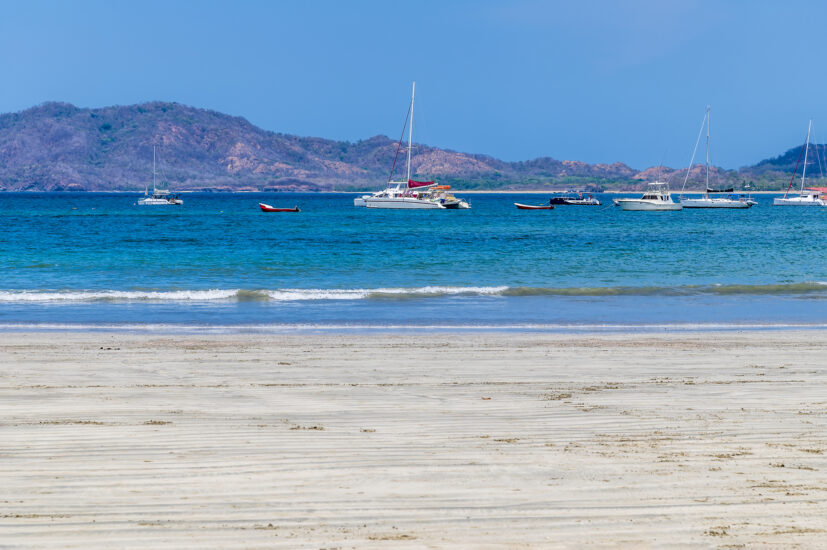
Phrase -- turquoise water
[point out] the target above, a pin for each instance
(97, 259)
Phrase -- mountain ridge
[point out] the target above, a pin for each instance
(58, 146)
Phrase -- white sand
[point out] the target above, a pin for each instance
(476, 440)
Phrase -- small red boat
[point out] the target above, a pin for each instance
(533, 207)
(268, 208)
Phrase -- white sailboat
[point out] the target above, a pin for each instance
(159, 197)
(708, 200)
(411, 194)
(806, 197)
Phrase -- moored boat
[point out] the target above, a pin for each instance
(656, 198)
(806, 196)
(731, 201)
(159, 197)
(411, 194)
(534, 206)
(268, 208)
(712, 198)
(575, 198)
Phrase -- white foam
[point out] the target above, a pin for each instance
(115, 295)
(292, 294)
(281, 295)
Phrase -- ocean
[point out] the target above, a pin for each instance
(94, 260)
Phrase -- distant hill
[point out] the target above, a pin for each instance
(57, 146)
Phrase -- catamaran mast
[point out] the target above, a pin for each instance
(707, 149)
(410, 130)
(806, 149)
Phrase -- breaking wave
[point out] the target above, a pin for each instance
(308, 294)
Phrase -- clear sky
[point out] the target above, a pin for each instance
(595, 81)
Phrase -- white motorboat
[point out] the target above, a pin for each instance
(159, 197)
(712, 198)
(411, 194)
(806, 197)
(442, 195)
(362, 201)
(656, 198)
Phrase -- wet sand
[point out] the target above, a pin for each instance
(413, 441)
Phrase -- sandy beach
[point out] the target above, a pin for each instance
(479, 440)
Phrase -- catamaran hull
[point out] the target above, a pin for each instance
(646, 206)
(402, 204)
(160, 202)
(714, 203)
(799, 201)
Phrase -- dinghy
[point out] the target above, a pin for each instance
(533, 207)
(268, 208)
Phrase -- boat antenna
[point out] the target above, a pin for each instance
(399, 144)
(410, 131)
(694, 151)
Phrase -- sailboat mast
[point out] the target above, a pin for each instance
(806, 149)
(410, 130)
(153, 169)
(707, 149)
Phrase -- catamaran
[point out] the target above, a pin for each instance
(410, 193)
(159, 197)
(708, 200)
(806, 197)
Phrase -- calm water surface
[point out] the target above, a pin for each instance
(97, 259)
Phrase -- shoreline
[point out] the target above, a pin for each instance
(368, 191)
(450, 440)
(364, 330)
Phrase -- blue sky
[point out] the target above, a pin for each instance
(595, 81)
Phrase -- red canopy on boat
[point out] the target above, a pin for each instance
(414, 184)
(819, 189)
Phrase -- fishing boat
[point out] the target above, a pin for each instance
(575, 198)
(533, 206)
(268, 208)
(805, 197)
(410, 194)
(656, 198)
(159, 197)
(712, 198)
